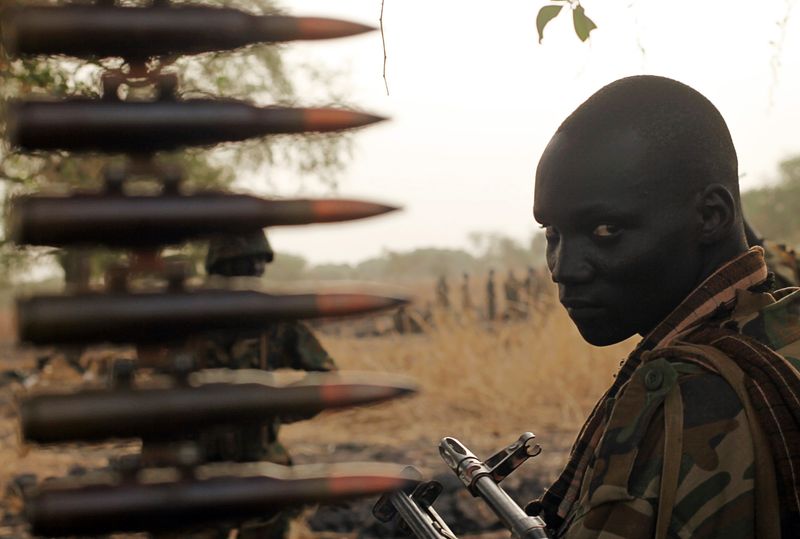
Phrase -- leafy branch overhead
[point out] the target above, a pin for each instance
(583, 24)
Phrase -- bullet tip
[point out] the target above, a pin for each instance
(351, 304)
(329, 119)
(330, 210)
(325, 28)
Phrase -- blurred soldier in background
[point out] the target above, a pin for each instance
(780, 259)
(442, 293)
(76, 264)
(511, 290)
(491, 300)
(531, 286)
(408, 321)
(466, 299)
(283, 345)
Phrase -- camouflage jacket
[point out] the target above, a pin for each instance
(285, 345)
(615, 489)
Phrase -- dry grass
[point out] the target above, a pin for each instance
(484, 384)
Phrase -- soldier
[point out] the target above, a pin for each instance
(442, 293)
(781, 260)
(406, 321)
(491, 300)
(466, 298)
(698, 434)
(531, 286)
(282, 345)
(76, 264)
(511, 290)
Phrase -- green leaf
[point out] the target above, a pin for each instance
(546, 14)
(583, 24)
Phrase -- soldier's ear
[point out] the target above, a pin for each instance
(717, 213)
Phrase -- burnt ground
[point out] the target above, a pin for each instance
(314, 443)
(466, 515)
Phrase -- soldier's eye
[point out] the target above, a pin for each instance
(606, 231)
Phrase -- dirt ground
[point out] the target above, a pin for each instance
(482, 383)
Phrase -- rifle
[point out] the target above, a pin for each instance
(412, 508)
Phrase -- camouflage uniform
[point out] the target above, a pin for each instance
(718, 480)
(442, 293)
(284, 345)
(466, 297)
(511, 290)
(491, 300)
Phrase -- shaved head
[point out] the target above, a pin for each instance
(686, 139)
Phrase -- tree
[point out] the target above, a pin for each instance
(257, 73)
(774, 210)
(581, 22)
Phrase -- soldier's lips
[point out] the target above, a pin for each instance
(585, 312)
(580, 309)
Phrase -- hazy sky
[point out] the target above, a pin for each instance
(474, 100)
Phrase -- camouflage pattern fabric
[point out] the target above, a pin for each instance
(620, 494)
(285, 345)
(289, 345)
(612, 486)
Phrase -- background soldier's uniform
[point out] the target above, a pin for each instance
(782, 262)
(442, 293)
(282, 345)
(466, 298)
(491, 300)
(737, 412)
(511, 290)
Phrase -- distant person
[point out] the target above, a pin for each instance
(466, 298)
(781, 260)
(406, 321)
(77, 267)
(531, 286)
(511, 291)
(491, 299)
(442, 293)
(282, 345)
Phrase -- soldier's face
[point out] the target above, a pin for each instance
(621, 244)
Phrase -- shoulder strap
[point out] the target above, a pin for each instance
(766, 490)
(673, 449)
